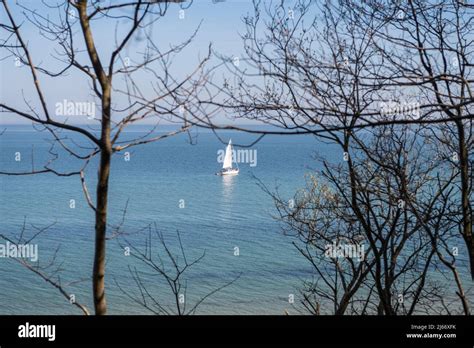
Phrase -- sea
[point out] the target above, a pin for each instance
(167, 188)
(224, 228)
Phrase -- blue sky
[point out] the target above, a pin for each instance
(221, 24)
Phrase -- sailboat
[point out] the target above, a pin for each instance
(227, 168)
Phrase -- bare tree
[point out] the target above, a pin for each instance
(405, 232)
(338, 70)
(173, 267)
(49, 271)
(335, 69)
(112, 79)
(426, 49)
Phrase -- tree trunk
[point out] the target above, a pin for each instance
(465, 194)
(98, 275)
(98, 272)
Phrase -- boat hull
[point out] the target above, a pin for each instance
(229, 172)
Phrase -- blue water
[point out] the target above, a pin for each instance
(219, 214)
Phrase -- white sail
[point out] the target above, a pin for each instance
(228, 156)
